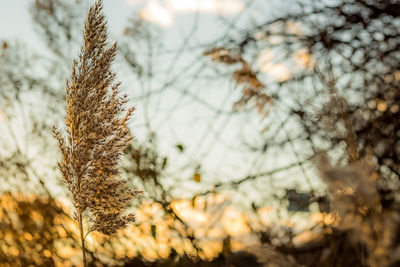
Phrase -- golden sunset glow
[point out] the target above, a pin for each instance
(152, 229)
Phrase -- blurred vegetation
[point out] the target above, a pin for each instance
(325, 82)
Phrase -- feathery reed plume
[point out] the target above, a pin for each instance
(96, 134)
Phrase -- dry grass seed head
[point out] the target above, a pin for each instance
(96, 132)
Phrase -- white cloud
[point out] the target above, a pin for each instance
(155, 13)
(224, 7)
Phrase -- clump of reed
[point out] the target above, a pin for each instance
(353, 188)
(96, 134)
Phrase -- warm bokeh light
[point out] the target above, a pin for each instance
(152, 236)
(235, 223)
(294, 28)
(324, 218)
(279, 71)
(155, 13)
(303, 59)
(308, 237)
(265, 215)
(266, 56)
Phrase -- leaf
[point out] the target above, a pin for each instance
(153, 230)
(4, 45)
(194, 201)
(165, 162)
(180, 147)
(197, 177)
(254, 206)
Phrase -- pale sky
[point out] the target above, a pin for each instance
(220, 149)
